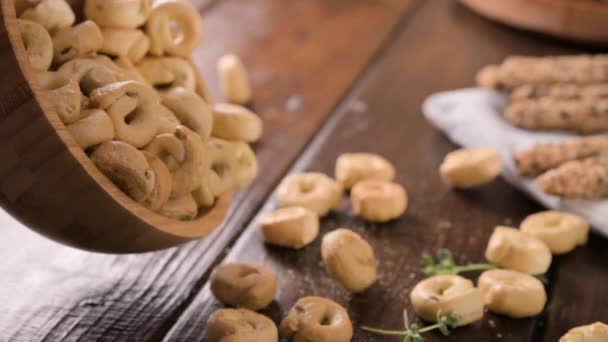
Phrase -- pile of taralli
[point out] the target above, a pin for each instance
(122, 83)
(508, 284)
(564, 93)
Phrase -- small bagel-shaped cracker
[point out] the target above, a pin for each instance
(64, 93)
(234, 80)
(132, 44)
(235, 122)
(90, 73)
(355, 167)
(187, 176)
(133, 107)
(182, 208)
(129, 70)
(451, 294)
(561, 231)
(190, 109)
(596, 332)
(128, 14)
(235, 325)
(293, 227)
(38, 44)
(317, 319)
(312, 190)
(76, 41)
(168, 72)
(126, 167)
(349, 259)
(470, 167)
(169, 149)
(51, 14)
(94, 128)
(513, 249)
(234, 164)
(205, 194)
(168, 120)
(165, 38)
(378, 201)
(162, 183)
(244, 285)
(22, 5)
(512, 293)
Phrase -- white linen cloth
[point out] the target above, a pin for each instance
(473, 117)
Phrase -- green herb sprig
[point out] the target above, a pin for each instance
(413, 333)
(444, 264)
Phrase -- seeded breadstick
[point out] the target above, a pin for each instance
(517, 71)
(560, 91)
(585, 116)
(577, 179)
(542, 157)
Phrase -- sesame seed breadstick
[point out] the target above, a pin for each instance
(567, 91)
(584, 116)
(517, 71)
(577, 179)
(542, 157)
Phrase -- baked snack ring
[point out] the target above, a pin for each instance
(129, 43)
(234, 325)
(244, 285)
(64, 93)
(190, 109)
(38, 44)
(118, 13)
(165, 38)
(132, 107)
(51, 14)
(168, 72)
(76, 41)
(95, 127)
(317, 319)
(90, 73)
(312, 190)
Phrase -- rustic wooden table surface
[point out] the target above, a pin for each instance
(330, 77)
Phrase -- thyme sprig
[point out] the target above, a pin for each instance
(413, 333)
(444, 263)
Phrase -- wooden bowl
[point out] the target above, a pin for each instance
(48, 182)
(578, 20)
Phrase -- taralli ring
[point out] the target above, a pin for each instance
(118, 14)
(190, 109)
(561, 231)
(77, 41)
(311, 190)
(132, 107)
(466, 168)
(126, 167)
(167, 39)
(132, 44)
(516, 250)
(349, 259)
(51, 14)
(64, 93)
(234, 122)
(378, 201)
(38, 44)
(89, 73)
(317, 319)
(240, 325)
(163, 184)
(293, 227)
(352, 168)
(244, 285)
(94, 128)
(234, 80)
(596, 332)
(182, 208)
(168, 72)
(512, 293)
(447, 294)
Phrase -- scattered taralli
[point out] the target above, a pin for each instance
(240, 325)
(244, 285)
(352, 168)
(512, 293)
(587, 178)
(121, 81)
(560, 231)
(378, 201)
(596, 332)
(293, 227)
(467, 168)
(513, 249)
(234, 80)
(349, 259)
(311, 190)
(317, 319)
(451, 294)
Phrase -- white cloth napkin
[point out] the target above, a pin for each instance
(473, 117)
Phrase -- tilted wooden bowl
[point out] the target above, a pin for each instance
(48, 182)
(579, 20)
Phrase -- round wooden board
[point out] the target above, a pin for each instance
(578, 20)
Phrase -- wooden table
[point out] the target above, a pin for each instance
(329, 77)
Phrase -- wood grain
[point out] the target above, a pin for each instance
(382, 115)
(51, 292)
